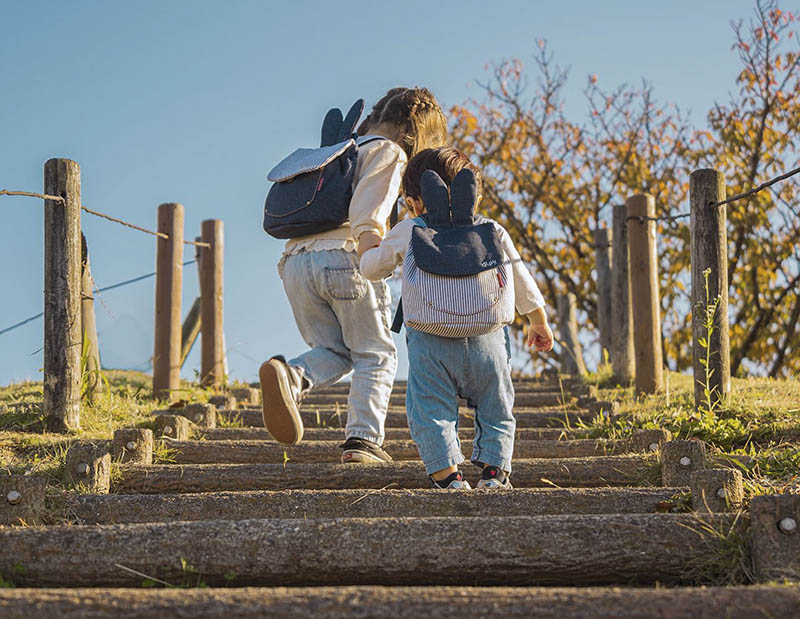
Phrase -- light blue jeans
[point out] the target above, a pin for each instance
(344, 318)
(478, 369)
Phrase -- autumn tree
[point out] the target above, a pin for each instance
(752, 138)
(551, 180)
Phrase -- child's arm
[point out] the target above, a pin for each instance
(379, 262)
(527, 297)
(378, 174)
(539, 334)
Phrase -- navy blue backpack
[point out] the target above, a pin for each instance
(313, 186)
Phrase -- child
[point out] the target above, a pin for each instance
(341, 316)
(477, 368)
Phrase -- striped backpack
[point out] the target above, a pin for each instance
(456, 279)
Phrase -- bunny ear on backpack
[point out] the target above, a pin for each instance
(349, 123)
(436, 198)
(331, 127)
(463, 195)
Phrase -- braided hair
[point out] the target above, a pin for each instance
(415, 112)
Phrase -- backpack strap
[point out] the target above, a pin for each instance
(397, 323)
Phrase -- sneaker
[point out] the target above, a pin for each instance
(281, 389)
(454, 481)
(356, 449)
(494, 477)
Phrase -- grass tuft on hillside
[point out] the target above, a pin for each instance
(126, 402)
(761, 419)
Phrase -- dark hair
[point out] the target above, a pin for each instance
(417, 115)
(446, 162)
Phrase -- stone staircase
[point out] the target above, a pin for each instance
(287, 531)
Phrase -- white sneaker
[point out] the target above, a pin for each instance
(454, 482)
(493, 477)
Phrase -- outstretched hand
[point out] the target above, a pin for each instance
(540, 337)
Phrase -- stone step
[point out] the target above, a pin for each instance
(129, 508)
(547, 398)
(521, 550)
(742, 602)
(252, 452)
(396, 418)
(337, 434)
(343, 389)
(560, 472)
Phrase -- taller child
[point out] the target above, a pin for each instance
(343, 317)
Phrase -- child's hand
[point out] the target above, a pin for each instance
(540, 337)
(366, 241)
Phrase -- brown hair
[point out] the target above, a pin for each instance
(446, 162)
(416, 114)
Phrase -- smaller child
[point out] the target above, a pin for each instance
(443, 365)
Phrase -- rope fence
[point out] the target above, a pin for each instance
(96, 291)
(736, 198)
(29, 194)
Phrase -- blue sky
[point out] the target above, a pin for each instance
(193, 102)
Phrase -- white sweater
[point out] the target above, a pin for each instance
(381, 261)
(376, 185)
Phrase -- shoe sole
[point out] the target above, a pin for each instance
(505, 487)
(353, 456)
(279, 410)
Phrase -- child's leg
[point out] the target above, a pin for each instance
(329, 359)
(431, 400)
(489, 389)
(361, 308)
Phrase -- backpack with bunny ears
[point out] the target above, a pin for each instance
(313, 186)
(456, 279)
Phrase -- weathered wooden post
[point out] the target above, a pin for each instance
(571, 356)
(212, 366)
(169, 285)
(602, 260)
(622, 352)
(62, 295)
(191, 325)
(90, 347)
(709, 253)
(643, 265)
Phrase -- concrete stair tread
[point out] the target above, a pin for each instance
(255, 451)
(552, 417)
(355, 503)
(544, 472)
(337, 434)
(519, 550)
(434, 602)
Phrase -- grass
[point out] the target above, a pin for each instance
(761, 419)
(126, 401)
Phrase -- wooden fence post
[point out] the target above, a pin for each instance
(191, 325)
(212, 367)
(169, 286)
(571, 356)
(622, 352)
(89, 344)
(602, 259)
(643, 268)
(62, 295)
(709, 252)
